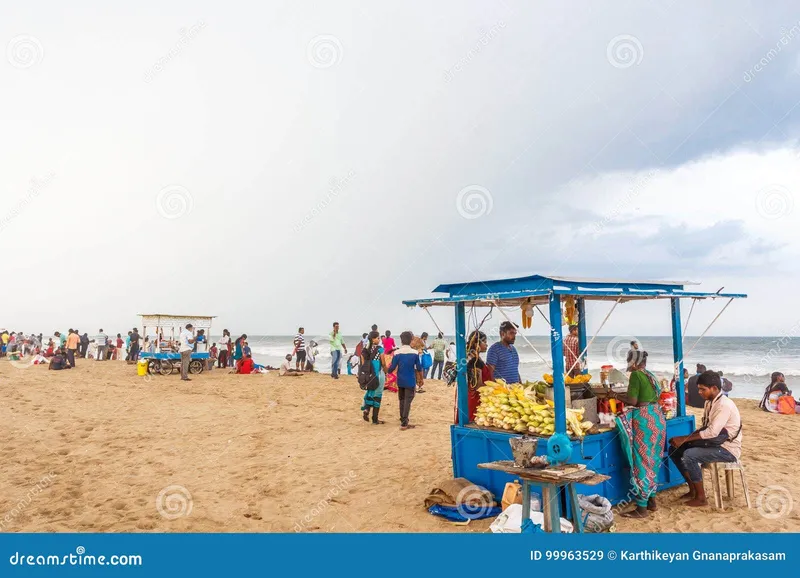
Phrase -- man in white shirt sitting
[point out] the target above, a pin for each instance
(186, 341)
(719, 440)
(286, 368)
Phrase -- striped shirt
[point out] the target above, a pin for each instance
(299, 342)
(505, 361)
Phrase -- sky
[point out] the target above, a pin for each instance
(279, 164)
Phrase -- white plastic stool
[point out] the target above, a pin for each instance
(729, 468)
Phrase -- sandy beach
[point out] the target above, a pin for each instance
(99, 449)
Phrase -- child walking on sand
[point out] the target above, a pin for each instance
(406, 362)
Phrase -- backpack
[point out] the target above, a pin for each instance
(426, 360)
(786, 404)
(367, 380)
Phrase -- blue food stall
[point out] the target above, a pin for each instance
(472, 444)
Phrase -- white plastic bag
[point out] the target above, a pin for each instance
(510, 521)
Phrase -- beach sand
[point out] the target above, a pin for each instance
(98, 449)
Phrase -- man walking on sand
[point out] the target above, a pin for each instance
(187, 344)
(337, 346)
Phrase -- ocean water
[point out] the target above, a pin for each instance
(746, 361)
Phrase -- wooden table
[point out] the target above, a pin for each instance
(551, 479)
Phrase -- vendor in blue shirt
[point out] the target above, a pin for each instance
(502, 358)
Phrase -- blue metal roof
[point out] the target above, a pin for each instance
(537, 288)
(538, 282)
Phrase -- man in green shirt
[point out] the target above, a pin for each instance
(337, 346)
(439, 345)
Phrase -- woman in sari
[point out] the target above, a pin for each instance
(238, 352)
(477, 373)
(373, 353)
(643, 429)
(774, 391)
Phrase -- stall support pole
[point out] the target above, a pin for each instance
(677, 354)
(557, 350)
(461, 364)
(581, 303)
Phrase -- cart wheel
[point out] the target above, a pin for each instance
(165, 367)
(195, 366)
(152, 367)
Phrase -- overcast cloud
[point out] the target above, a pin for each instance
(245, 159)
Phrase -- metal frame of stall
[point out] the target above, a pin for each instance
(602, 452)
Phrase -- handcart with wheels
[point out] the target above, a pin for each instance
(166, 358)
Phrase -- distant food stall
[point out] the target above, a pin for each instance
(165, 357)
(476, 443)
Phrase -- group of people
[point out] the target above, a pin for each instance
(380, 358)
(67, 348)
(778, 397)
(643, 432)
(383, 365)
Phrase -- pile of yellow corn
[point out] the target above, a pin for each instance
(514, 408)
(580, 378)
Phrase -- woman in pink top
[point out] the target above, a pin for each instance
(388, 343)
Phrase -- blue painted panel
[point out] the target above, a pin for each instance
(532, 283)
(601, 453)
(172, 356)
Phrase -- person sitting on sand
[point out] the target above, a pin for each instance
(286, 369)
(59, 360)
(777, 387)
(718, 440)
(245, 365)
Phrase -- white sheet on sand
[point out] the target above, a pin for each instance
(510, 520)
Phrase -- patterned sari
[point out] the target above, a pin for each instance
(373, 398)
(643, 432)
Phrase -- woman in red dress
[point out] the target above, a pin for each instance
(477, 373)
